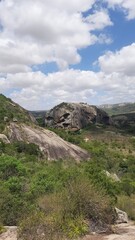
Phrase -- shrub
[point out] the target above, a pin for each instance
(10, 166)
(39, 227)
(127, 204)
(69, 213)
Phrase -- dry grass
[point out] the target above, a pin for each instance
(127, 204)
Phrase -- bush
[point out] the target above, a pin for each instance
(10, 166)
(69, 213)
(39, 227)
(31, 148)
(127, 204)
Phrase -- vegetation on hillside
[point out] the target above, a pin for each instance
(10, 111)
(116, 109)
(65, 199)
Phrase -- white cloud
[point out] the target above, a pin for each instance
(128, 6)
(115, 82)
(34, 90)
(38, 32)
(122, 61)
(46, 31)
(99, 20)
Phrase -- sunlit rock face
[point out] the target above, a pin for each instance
(75, 116)
(52, 146)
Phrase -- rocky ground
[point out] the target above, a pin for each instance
(124, 231)
(10, 234)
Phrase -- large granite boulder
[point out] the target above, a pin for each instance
(75, 116)
(52, 146)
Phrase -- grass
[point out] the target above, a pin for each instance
(63, 199)
(127, 204)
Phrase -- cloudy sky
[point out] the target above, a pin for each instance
(77, 51)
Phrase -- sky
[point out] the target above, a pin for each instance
(54, 51)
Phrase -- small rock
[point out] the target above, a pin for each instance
(122, 216)
(6, 119)
(4, 138)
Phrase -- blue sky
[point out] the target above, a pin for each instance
(73, 51)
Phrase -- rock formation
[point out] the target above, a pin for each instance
(122, 216)
(75, 116)
(4, 138)
(52, 146)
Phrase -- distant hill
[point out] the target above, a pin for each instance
(39, 116)
(120, 108)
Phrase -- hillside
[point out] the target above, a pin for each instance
(70, 197)
(10, 111)
(120, 108)
(17, 124)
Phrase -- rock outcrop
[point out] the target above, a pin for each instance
(52, 146)
(4, 138)
(122, 216)
(75, 116)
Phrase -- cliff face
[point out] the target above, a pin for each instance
(75, 116)
(52, 146)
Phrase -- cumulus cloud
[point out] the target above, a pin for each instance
(46, 31)
(35, 90)
(128, 6)
(37, 32)
(122, 61)
(95, 23)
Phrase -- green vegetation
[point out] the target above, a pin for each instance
(117, 109)
(125, 122)
(10, 111)
(40, 117)
(64, 199)
(63, 196)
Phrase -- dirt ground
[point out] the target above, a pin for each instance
(124, 231)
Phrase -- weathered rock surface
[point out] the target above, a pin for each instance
(9, 234)
(113, 176)
(122, 216)
(52, 146)
(75, 116)
(123, 231)
(4, 138)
